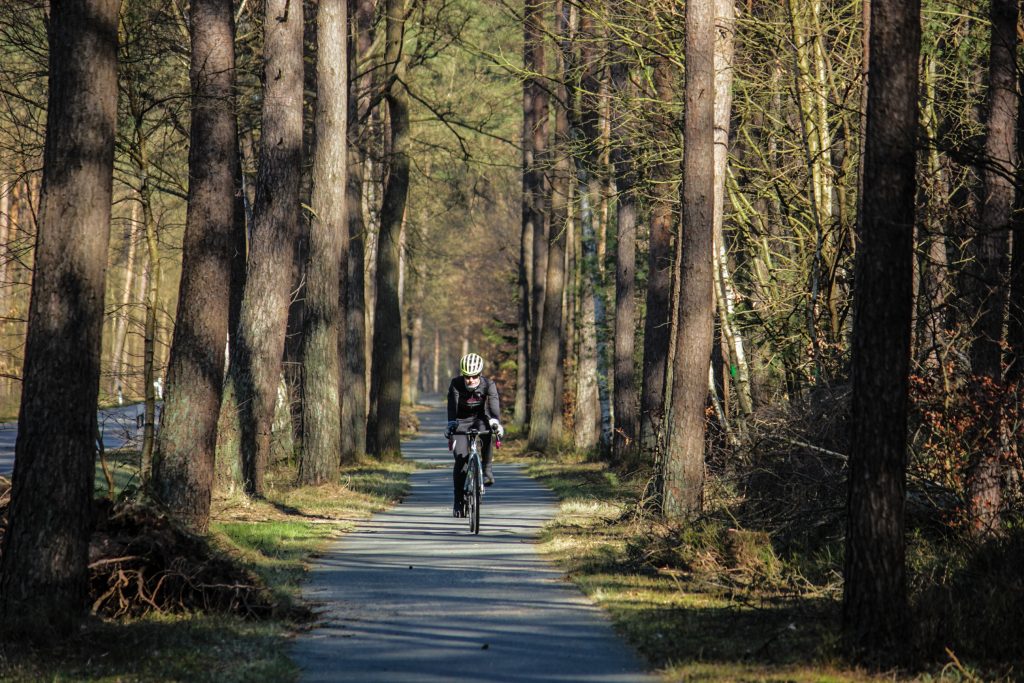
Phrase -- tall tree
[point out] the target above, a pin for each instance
(535, 114)
(328, 252)
(991, 246)
(657, 323)
(545, 411)
(874, 591)
(184, 466)
(625, 400)
(353, 383)
(683, 479)
(43, 569)
(1015, 325)
(591, 394)
(540, 185)
(382, 435)
(256, 369)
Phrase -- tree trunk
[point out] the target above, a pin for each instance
(382, 436)
(626, 425)
(256, 370)
(588, 422)
(415, 350)
(725, 295)
(1015, 325)
(123, 317)
(149, 334)
(874, 591)
(683, 479)
(534, 30)
(657, 324)
(353, 384)
(545, 408)
(184, 466)
(323, 333)
(43, 567)
(534, 107)
(984, 482)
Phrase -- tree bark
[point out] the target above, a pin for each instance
(117, 359)
(588, 416)
(683, 479)
(256, 370)
(545, 407)
(874, 592)
(353, 384)
(657, 323)
(540, 185)
(323, 332)
(534, 107)
(382, 435)
(725, 295)
(43, 569)
(984, 482)
(625, 400)
(184, 466)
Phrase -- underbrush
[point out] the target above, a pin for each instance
(259, 550)
(752, 588)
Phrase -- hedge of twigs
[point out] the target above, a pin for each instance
(142, 562)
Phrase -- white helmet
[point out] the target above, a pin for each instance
(471, 364)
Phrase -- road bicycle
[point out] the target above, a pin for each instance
(474, 488)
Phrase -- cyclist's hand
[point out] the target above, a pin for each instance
(497, 428)
(452, 425)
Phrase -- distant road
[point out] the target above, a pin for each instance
(117, 427)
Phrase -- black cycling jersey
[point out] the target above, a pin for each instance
(480, 402)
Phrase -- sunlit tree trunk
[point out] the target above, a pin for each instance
(184, 466)
(123, 316)
(323, 331)
(588, 417)
(540, 180)
(626, 424)
(874, 590)
(683, 479)
(43, 567)
(255, 371)
(725, 295)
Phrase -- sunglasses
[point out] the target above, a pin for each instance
(471, 378)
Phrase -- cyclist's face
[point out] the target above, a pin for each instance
(472, 381)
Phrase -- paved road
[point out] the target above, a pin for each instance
(117, 426)
(412, 597)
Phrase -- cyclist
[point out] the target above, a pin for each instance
(472, 404)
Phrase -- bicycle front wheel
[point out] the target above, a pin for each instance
(474, 518)
(472, 500)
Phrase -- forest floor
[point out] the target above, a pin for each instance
(727, 608)
(274, 538)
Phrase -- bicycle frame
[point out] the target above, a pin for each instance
(474, 486)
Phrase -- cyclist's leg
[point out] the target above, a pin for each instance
(485, 458)
(461, 452)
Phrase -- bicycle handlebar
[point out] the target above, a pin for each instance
(476, 432)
